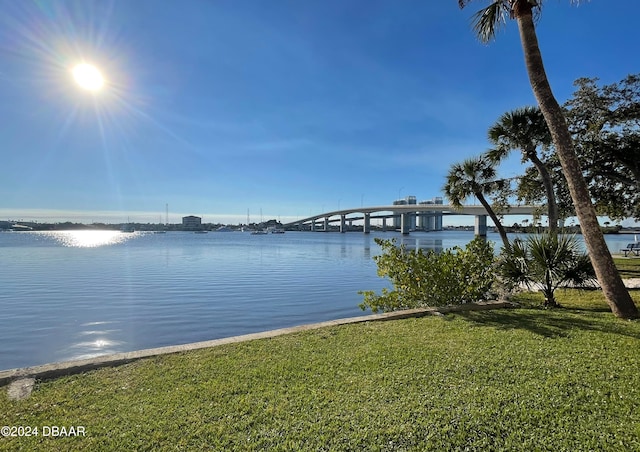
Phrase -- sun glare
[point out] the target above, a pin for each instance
(88, 77)
(89, 238)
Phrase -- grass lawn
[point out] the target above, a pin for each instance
(519, 379)
(628, 267)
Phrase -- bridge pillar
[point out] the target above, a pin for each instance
(326, 224)
(313, 225)
(366, 227)
(405, 223)
(343, 223)
(384, 224)
(437, 221)
(481, 225)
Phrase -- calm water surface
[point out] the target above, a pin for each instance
(71, 295)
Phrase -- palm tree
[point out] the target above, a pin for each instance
(474, 177)
(486, 23)
(525, 129)
(546, 262)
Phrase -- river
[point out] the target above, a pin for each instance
(78, 294)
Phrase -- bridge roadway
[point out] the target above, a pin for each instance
(405, 211)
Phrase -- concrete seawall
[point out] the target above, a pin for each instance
(54, 370)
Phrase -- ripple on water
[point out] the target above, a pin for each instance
(86, 293)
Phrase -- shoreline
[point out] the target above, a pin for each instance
(71, 367)
(65, 368)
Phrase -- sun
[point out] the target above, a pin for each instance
(88, 77)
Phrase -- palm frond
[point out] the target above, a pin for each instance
(497, 154)
(487, 21)
(582, 273)
(547, 261)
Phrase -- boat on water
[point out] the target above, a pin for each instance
(200, 232)
(269, 230)
(20, 227)
(274, 230)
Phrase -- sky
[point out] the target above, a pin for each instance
(269, 109)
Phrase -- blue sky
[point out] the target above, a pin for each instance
(291, 108)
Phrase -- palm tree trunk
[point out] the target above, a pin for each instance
(494, 218)
(616, 294)
(549, 298)
(552, 206)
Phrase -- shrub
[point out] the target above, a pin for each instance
(546, 262)
(426, 278)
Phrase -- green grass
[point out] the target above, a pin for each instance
(628, 267)
(520, 379)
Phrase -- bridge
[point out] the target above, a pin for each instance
(430, 216)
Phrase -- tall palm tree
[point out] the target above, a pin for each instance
(525, 129)
(486, 23)
(474, 177)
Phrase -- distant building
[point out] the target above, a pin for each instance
(425, 221)
(409, 200)
(191, 222)
(430, 220)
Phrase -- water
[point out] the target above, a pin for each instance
(72, 295)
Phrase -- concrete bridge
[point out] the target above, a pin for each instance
(407, 214)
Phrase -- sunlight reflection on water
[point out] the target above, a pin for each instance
(94, 342)
(86, 350)
(89, 239)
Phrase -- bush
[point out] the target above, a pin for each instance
(546, 262)
(426, 278)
